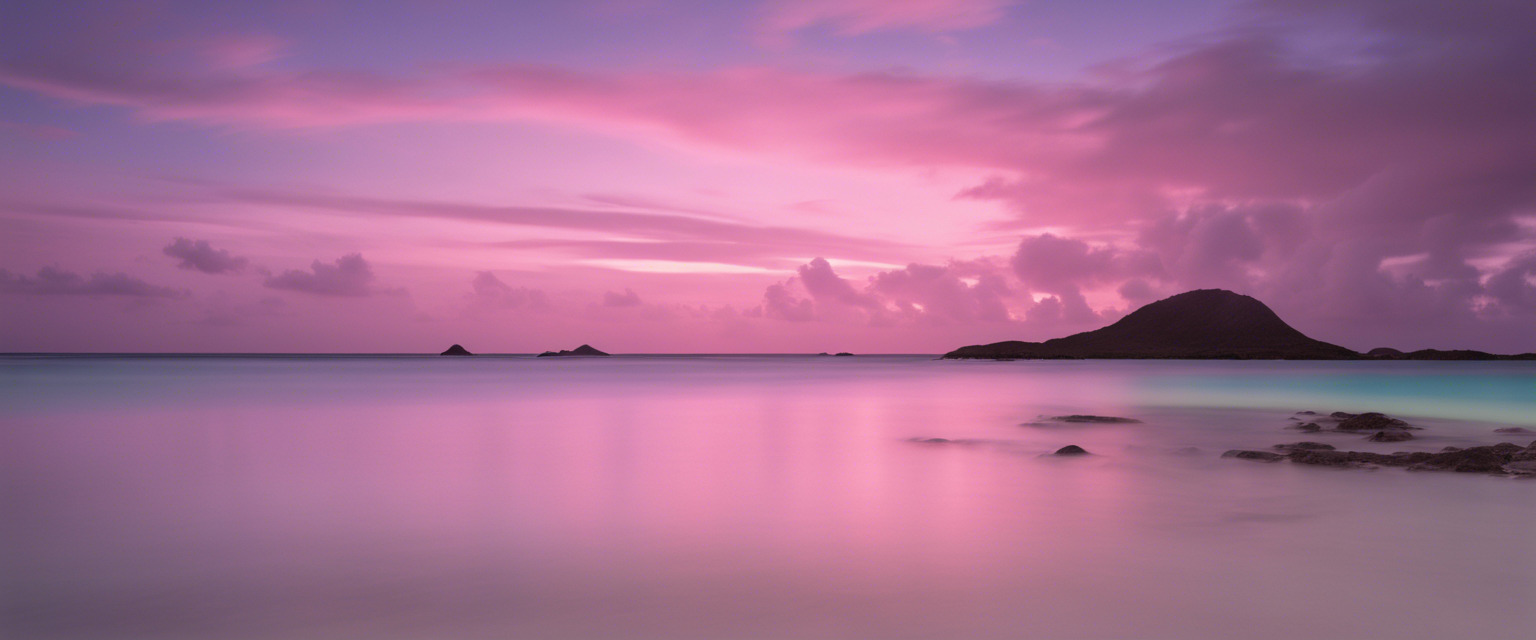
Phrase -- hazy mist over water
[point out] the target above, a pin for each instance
(745, 497)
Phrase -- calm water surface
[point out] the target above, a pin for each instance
(744, 497)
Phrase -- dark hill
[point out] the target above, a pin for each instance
(457, 350)
(583, 350)
(1203, 324)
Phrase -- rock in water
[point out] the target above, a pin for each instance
(1071, 450)
(1370, 422)
(1263, 456)
(1390, 435)
(1503, 458)
(1079, 418)
(457, 350)
(1301, 446)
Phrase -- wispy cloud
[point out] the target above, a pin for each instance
(858, 17)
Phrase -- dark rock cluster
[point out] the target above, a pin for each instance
(1504, 458)
(1382, 427)
(1369, 422)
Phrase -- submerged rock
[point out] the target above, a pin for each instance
(1071, 450)
(843, 354)
(1264, 456)
(1308, 427)
(930, 440)
(1296, 446)
(1078, 418)
(1390, 435)
(1513, 430)
(457, 350)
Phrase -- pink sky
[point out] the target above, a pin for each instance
(779, 176)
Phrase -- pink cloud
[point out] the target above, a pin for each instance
(349, 276)
(627, 299)
(52, 281)
(489, 292)
(858, 17)
(200, 256)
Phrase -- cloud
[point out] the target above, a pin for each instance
(781, 304)
(1063, 266)
(200, 256)
(824, 284)
(1513, 288)
(669, 236)
(958, 292)
(963, 295)
(858, 17)
(349, 276)
(489, 292)
(54, 281)
(1375, 184)
(626, 299)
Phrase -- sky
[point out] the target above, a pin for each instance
(647, 176)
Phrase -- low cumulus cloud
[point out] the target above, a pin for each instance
(198, 255)
(349, 276)
(957, 293)
(489, 292)
(627, 299)
(54, 281)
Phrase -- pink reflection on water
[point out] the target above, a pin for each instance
(762, 498)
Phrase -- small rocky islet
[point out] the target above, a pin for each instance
(583, 350)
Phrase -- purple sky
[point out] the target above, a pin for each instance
(776, 176)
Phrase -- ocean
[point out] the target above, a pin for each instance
(321, 497)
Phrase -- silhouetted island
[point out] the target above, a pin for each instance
(1385, 353)
(457, 350)
(583, 350)
(1203, 324)
(1207, 324)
